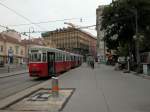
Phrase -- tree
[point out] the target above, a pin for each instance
(119, 19)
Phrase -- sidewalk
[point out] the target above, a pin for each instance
(10, 70)
(3, 75)
(99, 90)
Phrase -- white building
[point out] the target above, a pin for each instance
(101, 50)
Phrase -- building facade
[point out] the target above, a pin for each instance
(11, 49)
(31, 43)
(101, 48)
(71, 40)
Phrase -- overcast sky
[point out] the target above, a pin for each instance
(49, 10)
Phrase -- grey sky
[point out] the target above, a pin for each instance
(50, 10)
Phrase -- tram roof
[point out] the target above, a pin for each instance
(46, 48)
(52, 49)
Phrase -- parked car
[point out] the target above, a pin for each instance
(122, 62)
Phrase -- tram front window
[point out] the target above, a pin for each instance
(36, 57)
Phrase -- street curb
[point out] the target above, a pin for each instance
(139, 75)
(13, 74)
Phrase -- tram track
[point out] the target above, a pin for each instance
(14, 84)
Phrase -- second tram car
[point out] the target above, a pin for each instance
(47, 62)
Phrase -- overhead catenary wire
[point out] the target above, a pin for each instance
(82, 27)
(20, 15)
(50, 21)
(44, 22)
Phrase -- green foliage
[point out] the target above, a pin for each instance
(119, 18)
(123, 50)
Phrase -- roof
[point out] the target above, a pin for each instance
(35, 41)
(89, 34)
(11, 39)
(7, 38)
(46, 34)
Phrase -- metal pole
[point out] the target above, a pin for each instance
(104, 49)
(8, 68)
(137, 43)
(28, 46)
(29, 40)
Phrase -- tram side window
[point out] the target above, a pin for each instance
(64, 57)
(60, 57)
(35, 57)
(57, 57)
(69, 57)
(44, 57)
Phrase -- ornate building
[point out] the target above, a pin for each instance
(11, 49)
(72, 40)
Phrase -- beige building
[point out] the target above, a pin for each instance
(72, 40)
(31, 43)
(8, 42)
(11, 45)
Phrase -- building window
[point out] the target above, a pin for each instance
(1, 48)
(17, 49)
(21, 52)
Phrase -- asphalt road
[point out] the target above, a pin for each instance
(14, 84)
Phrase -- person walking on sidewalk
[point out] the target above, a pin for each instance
(91, 60)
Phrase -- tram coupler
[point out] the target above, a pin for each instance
(55, 87)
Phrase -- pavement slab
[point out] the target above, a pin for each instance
(99, 90)
(43, 100)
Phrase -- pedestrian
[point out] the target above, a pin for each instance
(92, 62)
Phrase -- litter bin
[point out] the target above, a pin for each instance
(146, 69)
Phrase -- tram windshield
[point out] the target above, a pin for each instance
(35, 57)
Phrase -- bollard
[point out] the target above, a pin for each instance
(8, 69)
(55, 87)
(128, 59)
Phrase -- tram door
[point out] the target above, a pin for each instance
(51, 63)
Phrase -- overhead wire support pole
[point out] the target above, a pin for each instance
(137, 42)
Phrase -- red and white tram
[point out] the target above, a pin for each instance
(46, 62)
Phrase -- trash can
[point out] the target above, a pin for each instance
(146, 69)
